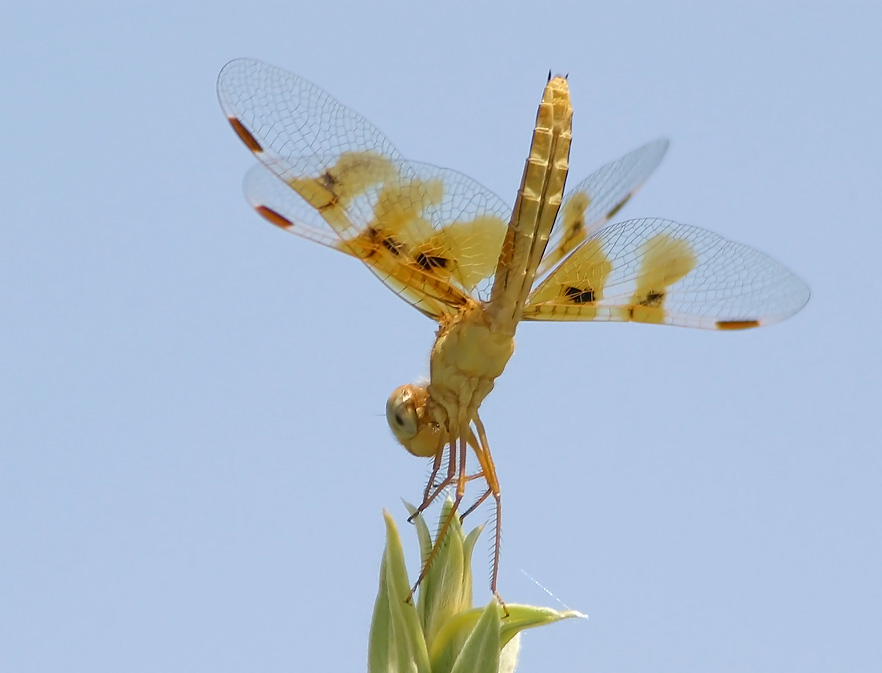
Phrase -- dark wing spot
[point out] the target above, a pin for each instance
(245, 135)
(378, 237)
(276, 218)
(429, 262)
(653, 299)
(573, 233)
(333, 202)
(737, 324)
(392, 245)
(616, 208)
(328, 181)
(578, 295)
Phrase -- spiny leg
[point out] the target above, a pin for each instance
(429, 495)
(462, 475)
(489, 470)
(476, 504)
(436, 466)
(473, 442)
(442, 531)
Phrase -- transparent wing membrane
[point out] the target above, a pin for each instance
(432, 235)
(592, 203)
(658, 271)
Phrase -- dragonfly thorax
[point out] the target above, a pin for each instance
(468, 356)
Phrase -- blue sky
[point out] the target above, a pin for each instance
(193, 457)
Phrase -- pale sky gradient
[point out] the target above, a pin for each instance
(193, 457)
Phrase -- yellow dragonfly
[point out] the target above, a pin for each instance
(463, 257)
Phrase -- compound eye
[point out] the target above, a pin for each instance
(401, 415)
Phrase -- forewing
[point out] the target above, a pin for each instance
(465, 244)
(426, 232)
(658, 271)
(592, 203)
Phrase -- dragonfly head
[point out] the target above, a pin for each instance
(407, 415)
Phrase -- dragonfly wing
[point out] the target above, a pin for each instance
(658, 271)
(279, 204)
(466, 242)
(592, 203)
(424, 231)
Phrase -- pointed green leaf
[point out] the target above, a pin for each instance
(380, 648)
(397, 644)
(441, 592)
(480, 654)
(508, 658)
(522, 617)
(422, 530)
(444, 634)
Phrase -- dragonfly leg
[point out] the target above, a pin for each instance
(433, 490)
(476, 504)
(436, 467)
(482, 451)
(460, 477)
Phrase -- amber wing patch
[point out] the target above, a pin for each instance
(662, 272)
(430, 234)
(592, 203)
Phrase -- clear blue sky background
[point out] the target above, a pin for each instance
(193, 457)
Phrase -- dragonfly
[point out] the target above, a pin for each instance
(465, 258)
